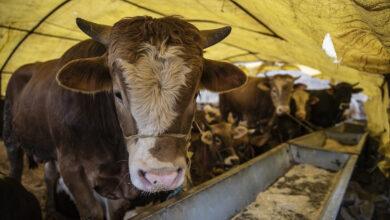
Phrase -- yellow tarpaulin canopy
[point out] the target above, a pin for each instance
(283, 30)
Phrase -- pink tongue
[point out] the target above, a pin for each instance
(165, 179)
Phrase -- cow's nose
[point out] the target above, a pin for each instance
(166, 179)
(301, 115)
(232, 160)
(235, 161)
(344, 105)
(283, 109)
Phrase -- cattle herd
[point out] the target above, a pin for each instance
(115, 122)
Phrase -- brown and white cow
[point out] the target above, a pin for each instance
(135, 90)
(258, 99)
(215, 149)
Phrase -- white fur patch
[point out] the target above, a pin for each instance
(61, 187)
(229, 160)
(140, 158)
(155, 81)
(154, 84)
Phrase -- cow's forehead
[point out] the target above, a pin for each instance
(221, 128)
(282, 81)
(155, 84)
(300, 95)
(143, 29)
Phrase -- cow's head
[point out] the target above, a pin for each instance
(302, 101)
(280, 88)
(221, 138)
(212, 114)
(154, 69)
(342, 92)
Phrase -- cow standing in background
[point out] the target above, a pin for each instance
(332, 103)
(127, 97)
(301, 102)
(259, 99)
(216, 145)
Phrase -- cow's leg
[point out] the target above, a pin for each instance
(76, 180)
(51, 178)
(14, 149)
(15, 157)
(117, 208)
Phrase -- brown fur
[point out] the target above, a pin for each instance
(247, 102)
(83, 133)
(254, 104)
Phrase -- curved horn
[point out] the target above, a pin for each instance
(353, 85)
(211, 37)
(98, 32)
(296, 78)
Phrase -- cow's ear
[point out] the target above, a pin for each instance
(231, 119)
(239, 132)
(207, 137)
(264, 86)
(314, 100)
(331, 90)
(221, 76)
(357, 90)
(87, 75)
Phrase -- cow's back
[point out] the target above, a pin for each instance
(38, 101)
(325, 111)
(248, 100)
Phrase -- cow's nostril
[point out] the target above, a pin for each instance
(141, 173)
(301, 115)
(162, 178)
(282, 109)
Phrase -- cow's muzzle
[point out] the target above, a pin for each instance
(344, 106)
(162, 179)
(282, 109)
(301, 115)
(232, 160)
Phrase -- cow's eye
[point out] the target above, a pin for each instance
(118, 95)
(196, 96)
(217, 140)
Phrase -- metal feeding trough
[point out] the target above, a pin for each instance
(227, 194)
(346, 138)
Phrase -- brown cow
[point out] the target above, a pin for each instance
(303, 101)
(215, 149)
(258, 99)
(87, 108)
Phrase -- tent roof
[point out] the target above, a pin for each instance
(271, 30)
(283, 30)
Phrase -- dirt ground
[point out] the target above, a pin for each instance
(31, 179)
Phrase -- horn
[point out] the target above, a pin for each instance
(98, 32)
(296, 78)
(211, 37)
(353, 85)
(266, 76)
